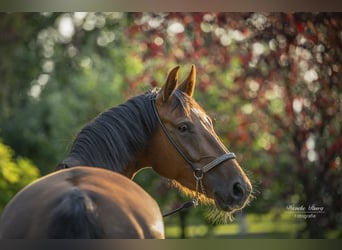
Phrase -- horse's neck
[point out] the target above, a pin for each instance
(116, 140)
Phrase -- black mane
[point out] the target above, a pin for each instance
(113, 139)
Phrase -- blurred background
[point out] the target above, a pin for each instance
(271, 81)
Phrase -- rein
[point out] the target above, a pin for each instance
(198, 172)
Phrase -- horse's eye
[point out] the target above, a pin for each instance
(183, 128)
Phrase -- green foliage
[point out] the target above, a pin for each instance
(15, 173)
(62, 84)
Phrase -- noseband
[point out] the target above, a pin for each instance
(198, 172)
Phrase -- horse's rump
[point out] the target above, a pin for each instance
(82, 202)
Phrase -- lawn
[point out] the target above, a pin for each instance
(275, 224)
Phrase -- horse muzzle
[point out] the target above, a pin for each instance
(233, 198)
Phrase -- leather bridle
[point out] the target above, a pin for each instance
(198, 172)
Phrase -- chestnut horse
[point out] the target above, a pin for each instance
(92, 195)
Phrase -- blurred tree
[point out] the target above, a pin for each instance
(15, 173)
(65, 68)
(297, 82)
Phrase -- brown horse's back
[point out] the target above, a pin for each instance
(82, 202)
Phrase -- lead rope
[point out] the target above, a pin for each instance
(184, 206)
(195, 201)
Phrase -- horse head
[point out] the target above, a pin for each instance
(192, 153)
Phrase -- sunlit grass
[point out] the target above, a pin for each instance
(275, 224)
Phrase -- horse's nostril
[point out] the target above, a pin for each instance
(238, 191)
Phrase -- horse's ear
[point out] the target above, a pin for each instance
(188, 85)
(171, 83)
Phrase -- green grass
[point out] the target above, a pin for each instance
(276, 224)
